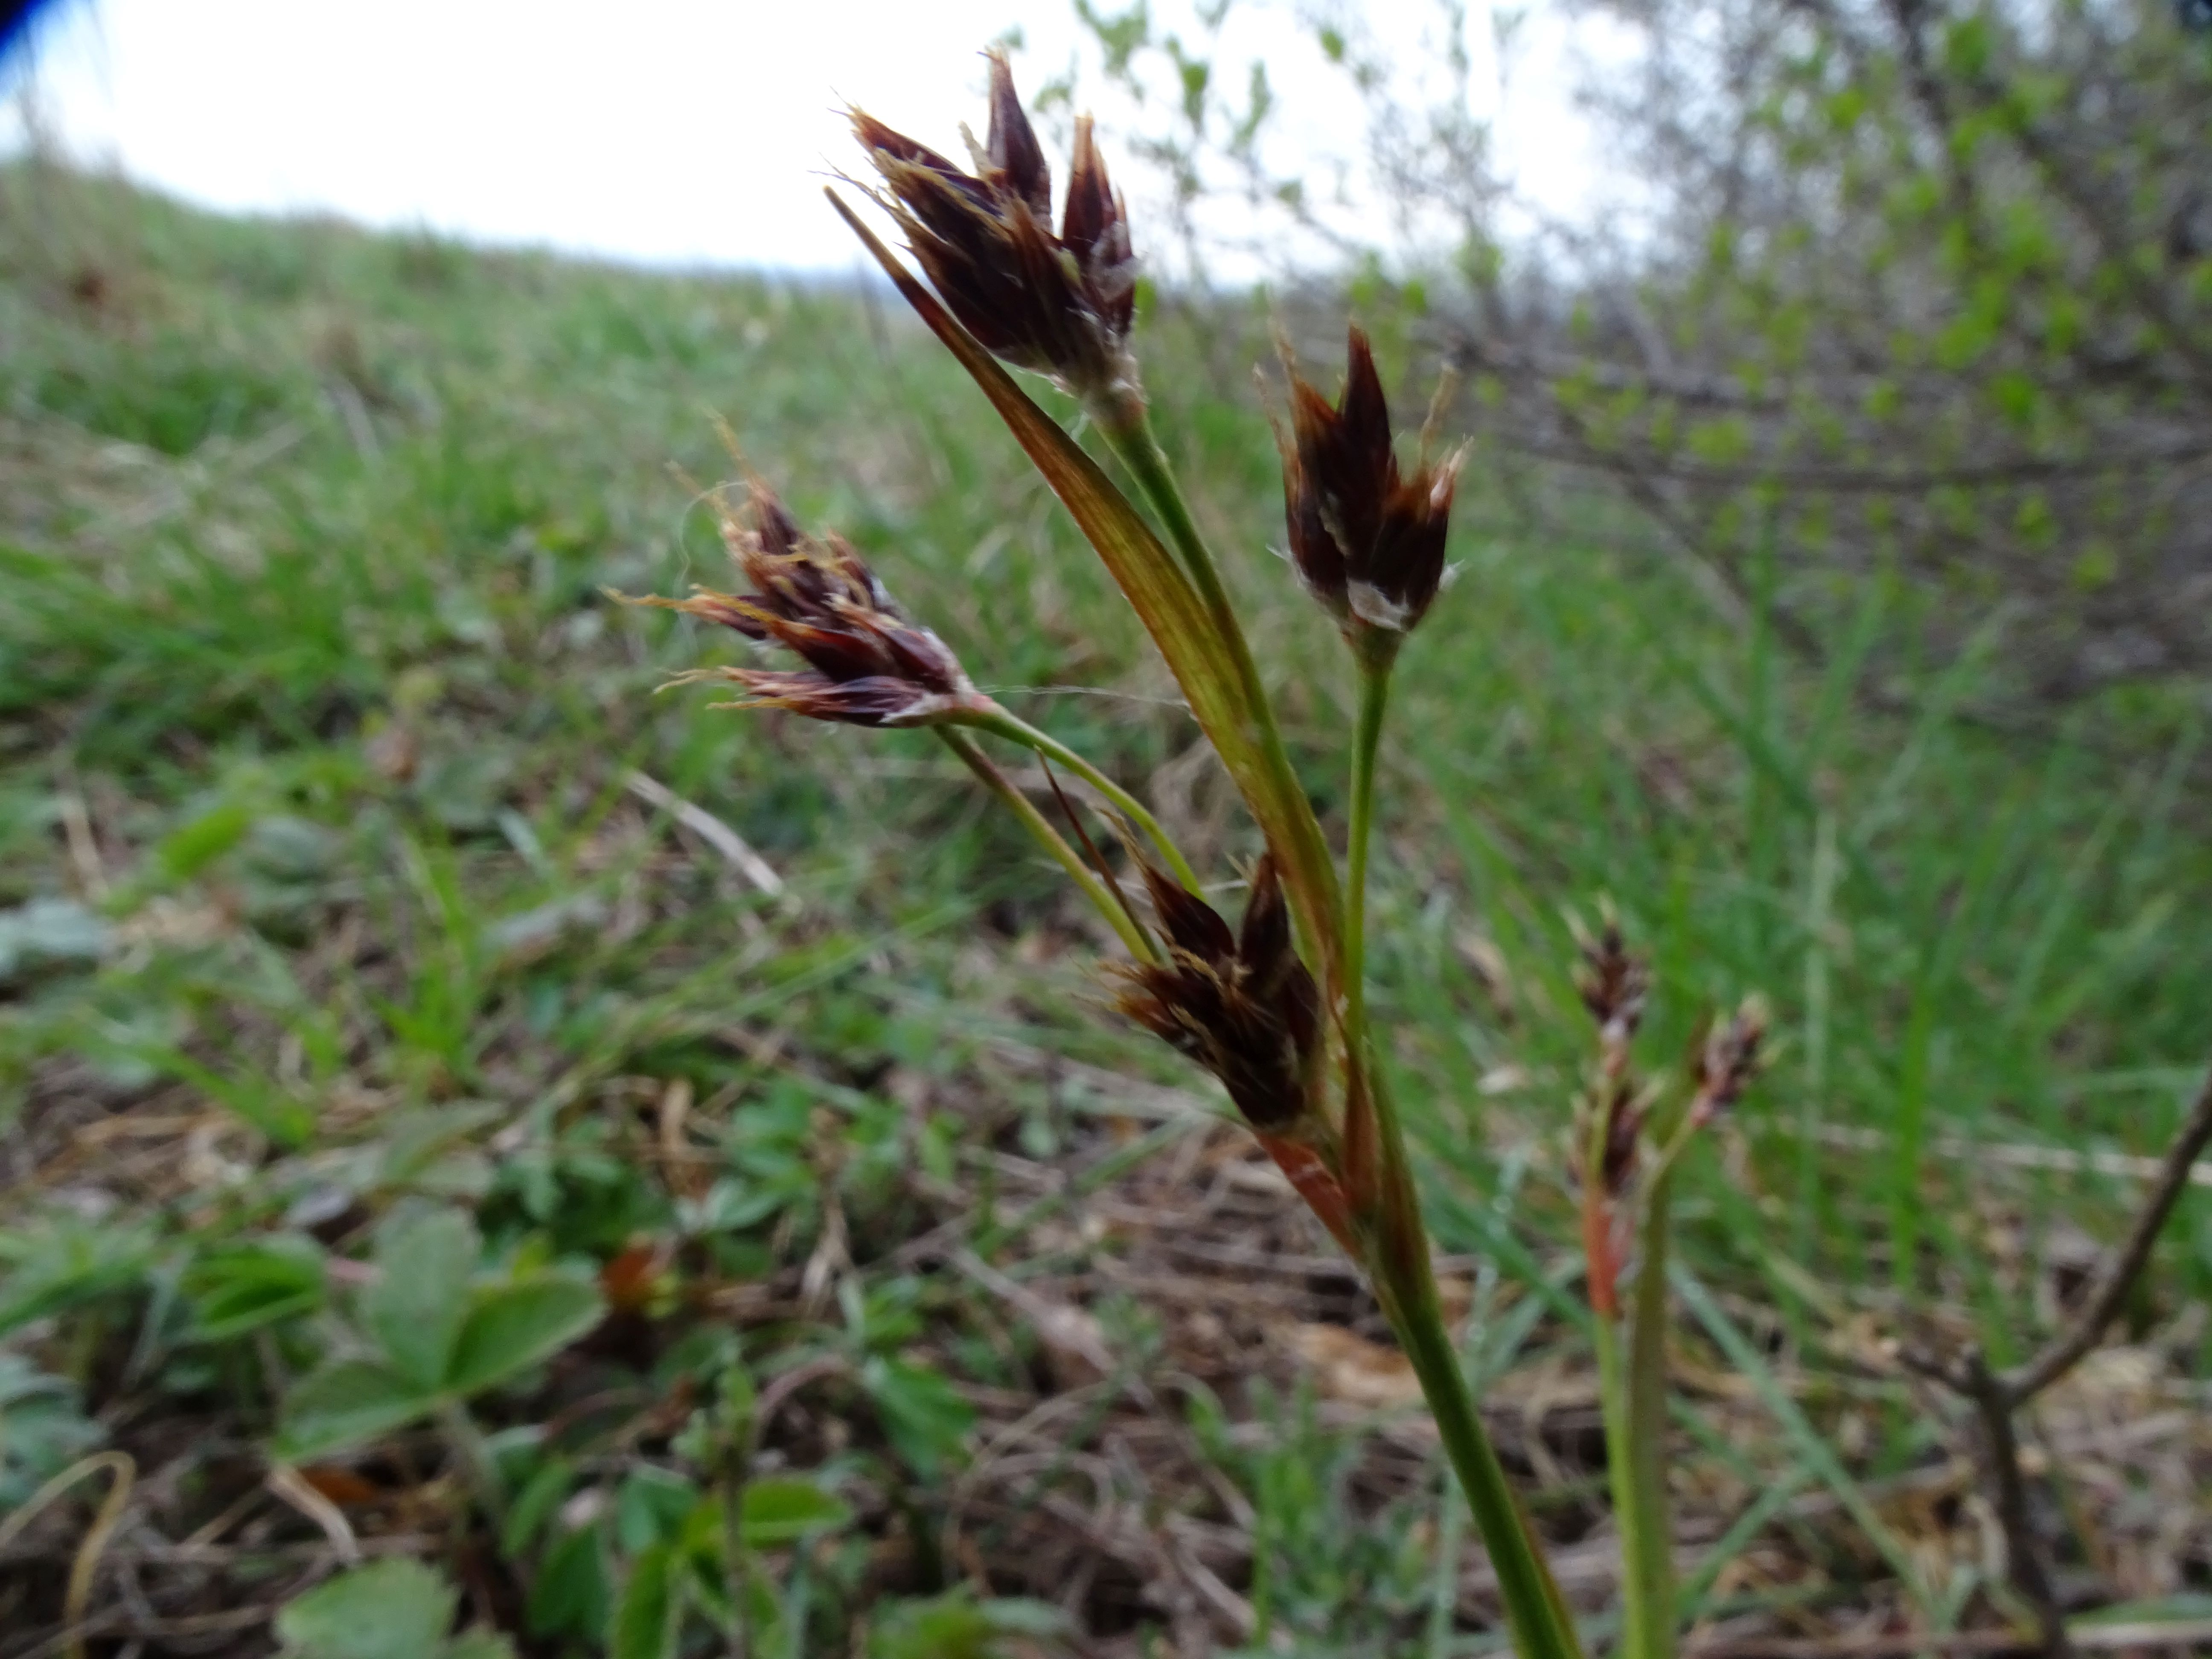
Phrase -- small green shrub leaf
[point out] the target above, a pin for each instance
(784, 1508)
(644, 1625)
(394, 1609)
(652, 1507)
(571, 1596)
(540, 1495)
(345, 1403)
(516, 1326)
(415, 1308)
(924, 1420)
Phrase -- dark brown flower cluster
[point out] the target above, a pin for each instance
(1368, 539)
(1726, 1062)
(1058, 305)
(867, 664)
(1614, 985)
(1241, 1004)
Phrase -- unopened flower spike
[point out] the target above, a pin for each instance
(1367, 537)
(866, 663)
(1057, 305)
(1725, 1063)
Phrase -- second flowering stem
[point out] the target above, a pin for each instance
(1108, 906)
(1014, 729)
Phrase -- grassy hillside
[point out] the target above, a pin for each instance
(355, 879)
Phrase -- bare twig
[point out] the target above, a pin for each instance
(2118, 1273)
(1997, 1397)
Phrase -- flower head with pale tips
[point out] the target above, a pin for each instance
(1367, 538)
(866, 663)
(1058, 305)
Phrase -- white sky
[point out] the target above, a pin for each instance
(666, 132)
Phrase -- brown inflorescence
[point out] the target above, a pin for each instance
(1368, 539)
(1614, 985)
(1723, 1065)
(1241, 1004)
(866, 663)
(1056, 305)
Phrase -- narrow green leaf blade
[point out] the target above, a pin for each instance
(1815, 1452)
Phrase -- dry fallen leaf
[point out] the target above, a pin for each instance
(1348, 1367)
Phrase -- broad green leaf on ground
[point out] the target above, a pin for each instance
(534, 1505)
(49, 932)
(572, 1596)
(424, 1259)
(41, 1428)
(784, 1508)
(344, 1404)
(644, 1624)
(395, 1609)
(925, 1421)
(954, 1625)
(512, 1327)
(652, 1506)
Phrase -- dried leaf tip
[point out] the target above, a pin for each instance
(1367, 538)
(1056, 305)
(866, 663)
(1239, 1002)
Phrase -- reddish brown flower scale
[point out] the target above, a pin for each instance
(1239, 1002)
(1095, 227)
(1368, 540)
(1016, 158)
(1613, 984)
(866, 664)
(1056, 305)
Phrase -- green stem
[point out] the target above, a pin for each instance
(1620, 1468)
(1536, 1612)
(1014, 729)
(1128, 432)
(1367, 745)
(1649, 1578)
(1117, 915)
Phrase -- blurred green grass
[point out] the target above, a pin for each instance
(289, 486)
(312, 707)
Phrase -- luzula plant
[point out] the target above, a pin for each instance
(1626, 1193)
(1273, 1006)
